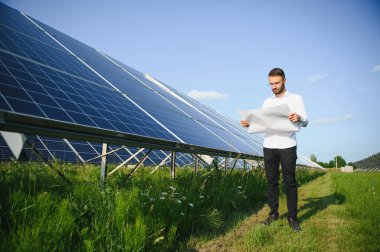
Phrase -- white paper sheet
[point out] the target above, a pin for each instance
(269, 120)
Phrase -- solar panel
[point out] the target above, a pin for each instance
(240, 136)
(184, 122)
(54, 85)
(40, 78)
(371, 163)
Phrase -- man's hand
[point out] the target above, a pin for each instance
(294, 117)
(244, 124)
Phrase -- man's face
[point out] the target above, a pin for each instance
(277, 84)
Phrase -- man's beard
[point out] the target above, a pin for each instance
(278, 90)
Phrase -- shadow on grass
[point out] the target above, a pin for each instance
(317, 204)
(229, 223)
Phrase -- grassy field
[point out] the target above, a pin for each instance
(338, 212)
(40, 212)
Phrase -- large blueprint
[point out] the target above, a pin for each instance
(269, 120)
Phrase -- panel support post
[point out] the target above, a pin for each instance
(244, 165)
(172, 165)
(141, 161)
(103, 165)
(196, 165)
(225, 165)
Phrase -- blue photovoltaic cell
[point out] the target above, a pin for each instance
(240, 136)
(40, 78)
(216, 119)
(236, 135)
(183, 126)
(82, 103)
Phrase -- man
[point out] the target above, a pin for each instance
(281, 148)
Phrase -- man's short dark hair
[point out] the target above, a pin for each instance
(277, 72)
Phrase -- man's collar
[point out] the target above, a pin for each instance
(286, 94)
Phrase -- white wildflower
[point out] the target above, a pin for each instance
(164, 193)
(179, 201)
(201, 196)
(191, 204)
(162, 198)
(182, 214)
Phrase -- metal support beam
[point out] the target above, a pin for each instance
(205, 159)
(172, 165)
(103, 165)
(221, 162)
(73, 149)
(196, 165)
(126, 161)
(161, 164)
(46, 148)
(245, 165)
(139, 164)
(104, 154)
(225, 165)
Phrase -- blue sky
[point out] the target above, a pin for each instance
(222, 51)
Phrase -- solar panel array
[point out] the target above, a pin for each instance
(53, 84)
(371, 163)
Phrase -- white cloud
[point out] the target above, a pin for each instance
(317, 77)
(376, 69)
(207, 95)
(328, 120)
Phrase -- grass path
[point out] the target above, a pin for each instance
(319, 217)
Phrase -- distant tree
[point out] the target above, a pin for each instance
(332, 163)
(341, 162)
(324, 165)
(338, 162)
(313, 157)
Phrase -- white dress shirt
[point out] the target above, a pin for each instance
(285, 140)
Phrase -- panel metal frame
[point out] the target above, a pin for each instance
(40, 126)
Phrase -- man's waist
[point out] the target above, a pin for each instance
(280, 140)
(284, 146)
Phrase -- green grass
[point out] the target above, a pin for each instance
(338, 212)
(40, 212)
(361, 210)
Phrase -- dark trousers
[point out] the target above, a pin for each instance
(272, 160)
